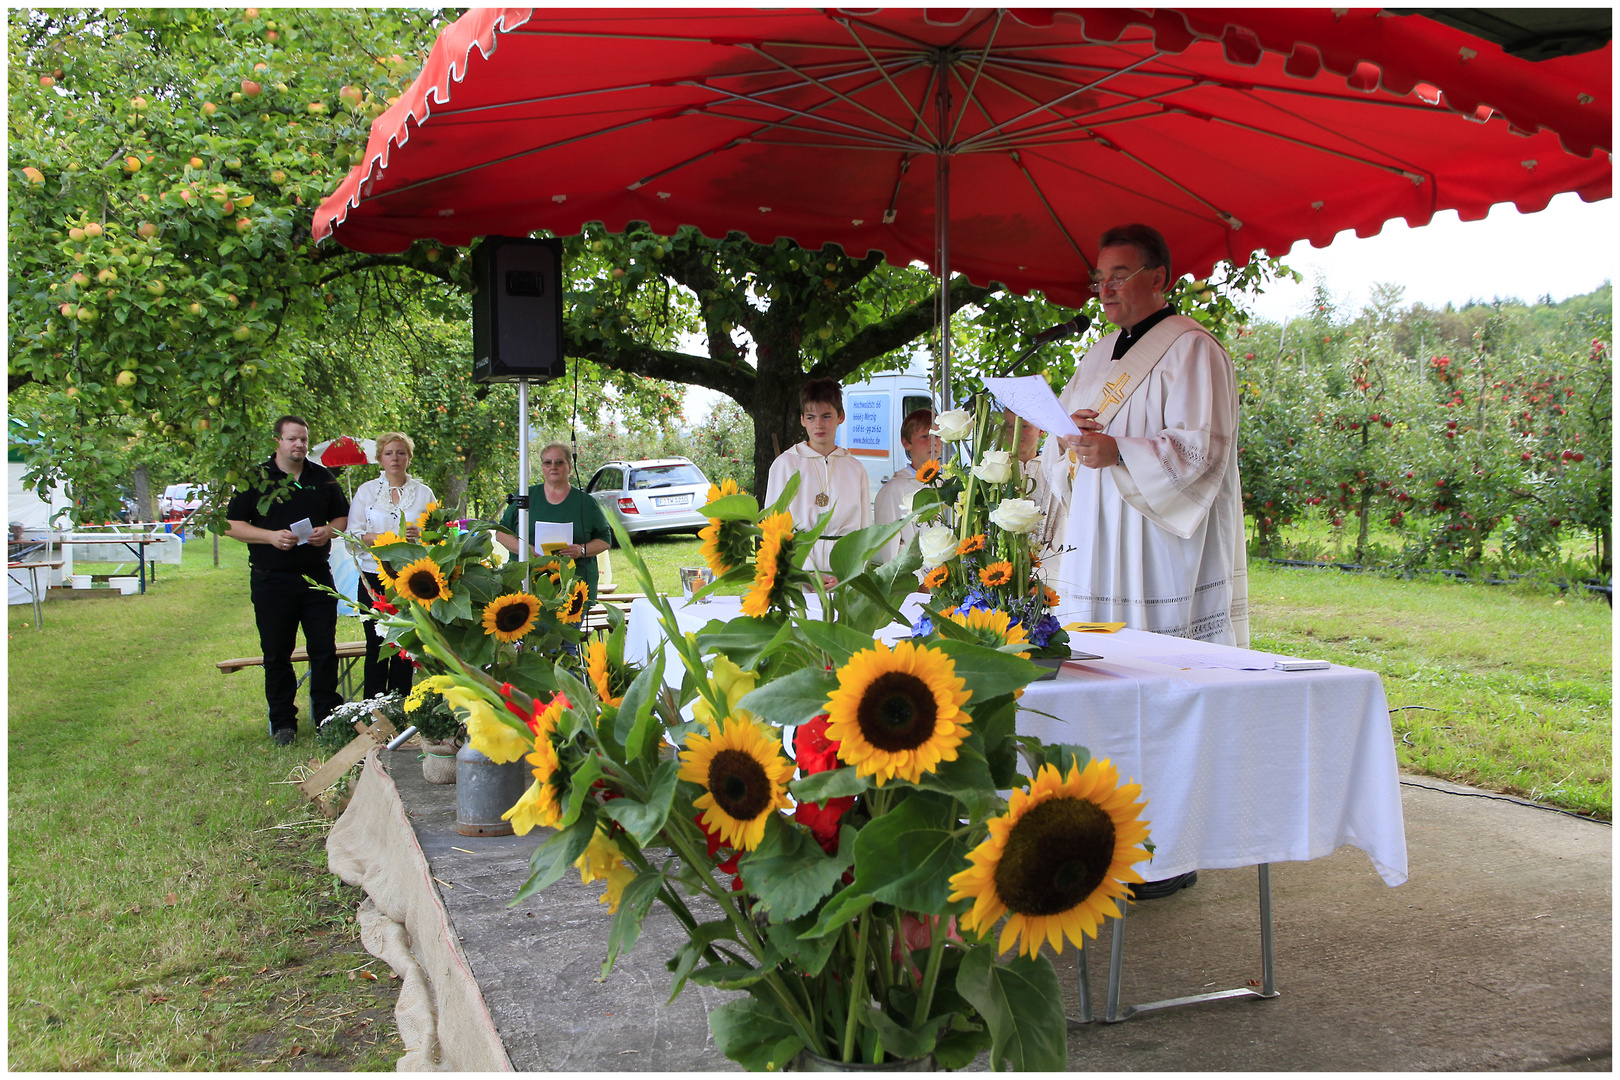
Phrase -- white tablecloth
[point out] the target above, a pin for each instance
(1238, 767)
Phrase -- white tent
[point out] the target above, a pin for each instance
(37, 516)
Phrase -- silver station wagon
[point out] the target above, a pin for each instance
(652, 496)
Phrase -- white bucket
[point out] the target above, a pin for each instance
(81, 581)
(125, 585)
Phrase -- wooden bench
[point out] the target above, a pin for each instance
(349, 654)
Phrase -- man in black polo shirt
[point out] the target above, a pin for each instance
(289, 538)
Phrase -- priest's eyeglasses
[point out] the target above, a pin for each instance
(1114, 284)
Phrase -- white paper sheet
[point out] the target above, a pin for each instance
(554, 534)
(1031, 398)
(301, 529)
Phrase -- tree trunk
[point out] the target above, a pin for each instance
(455, 486)
(143, 495)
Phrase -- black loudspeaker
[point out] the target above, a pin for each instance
(517, 309)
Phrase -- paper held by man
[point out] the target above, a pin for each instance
(1031, 398)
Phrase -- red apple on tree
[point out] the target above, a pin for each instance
(251, 88)
(93, 229)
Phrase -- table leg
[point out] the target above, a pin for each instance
(33, 580)
(1085, 984)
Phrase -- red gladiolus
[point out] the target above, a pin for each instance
(385, 607)
(811, 747)
(823, 819)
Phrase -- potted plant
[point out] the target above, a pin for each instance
(856, 891)
(438, 728)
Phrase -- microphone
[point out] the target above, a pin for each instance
(1077, 325)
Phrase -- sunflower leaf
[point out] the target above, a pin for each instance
(821, 786)
(945, 628)
(872, 606)
(899, 1041)
(789, 872)
(839, 911)
(691, 951)
(810, 954)
(1066, 756)
(569, 684)
(740, 507)
(906, 856)
(989, 673)
(788, 490)
(637, 723)
(741, 640)
(795, 698)
(556, 855)
(634, 903)
(838, 642)
(1022, 1005)
(850, 552)
(754, 1033)
(729, 976)
(644, 820)
(579, 789)
(967, 778)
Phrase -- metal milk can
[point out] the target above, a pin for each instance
(485, 791)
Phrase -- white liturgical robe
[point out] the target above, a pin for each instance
(1157, 541)
(892, 504)
(837, 475)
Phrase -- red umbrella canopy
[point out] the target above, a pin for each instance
(1229, 130)
(344, 450)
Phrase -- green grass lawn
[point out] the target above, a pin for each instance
(170, 906)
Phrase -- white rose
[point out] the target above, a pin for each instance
(1016, 516)
(995, 467)
(937, 544)
(953, 426)
(908, 502)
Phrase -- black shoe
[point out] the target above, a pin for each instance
(1158, 890)
(284, 736)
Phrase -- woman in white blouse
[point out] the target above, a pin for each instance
(390, 503)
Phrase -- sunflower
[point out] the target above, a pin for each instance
(936, 577)
(928, 472)
(771, 564)
(603, 674)
(1059, 860)
(422, 518)
(971, 544)
(575, 603)
(511, 616)
(993, 628)
(897, 714)
(387, 580)
(997, 573)
(541, 804)
(389, 537)
(725, 543)
(603, 861)
(551, 569)
(743, 774)
(423, 582)
(1050, 596)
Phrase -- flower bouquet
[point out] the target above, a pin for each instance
(852, 891)
(987, 563)
(467, 587)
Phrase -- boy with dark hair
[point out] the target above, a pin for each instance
(894, 497)
(830, 478)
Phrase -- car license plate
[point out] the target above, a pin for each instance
(672, 500)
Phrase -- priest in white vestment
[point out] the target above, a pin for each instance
(1152, 534)
(830, 478)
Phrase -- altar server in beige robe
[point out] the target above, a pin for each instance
(1153, 533)
(830, 476)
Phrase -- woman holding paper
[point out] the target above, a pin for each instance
(390, 503)
(555, 500)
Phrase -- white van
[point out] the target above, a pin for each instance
(873, 413)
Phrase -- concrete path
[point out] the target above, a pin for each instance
(1497, 954)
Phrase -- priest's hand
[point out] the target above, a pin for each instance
(1094, 448)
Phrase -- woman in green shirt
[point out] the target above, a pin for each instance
(555, 499)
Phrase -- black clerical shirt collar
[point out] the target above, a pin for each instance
(1130, 337)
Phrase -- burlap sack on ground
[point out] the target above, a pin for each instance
(441, 1015)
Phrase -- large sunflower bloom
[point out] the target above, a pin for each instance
(542, 803)
(771, 564)
(994, 628)
(997, 573)
(725, 543)
(1059, 860)
(601, 673)
(744, 776)
(575, 602)
(423, 582)
(897, 714)
(511, 616)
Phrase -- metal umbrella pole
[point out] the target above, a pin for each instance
(523, 477)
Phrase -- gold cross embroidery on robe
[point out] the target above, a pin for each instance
(1114, 391)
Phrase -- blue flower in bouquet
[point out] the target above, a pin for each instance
(1042, 631)
(975, 600)
(923, 626)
